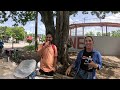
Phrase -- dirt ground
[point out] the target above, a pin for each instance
(7, 69)
(110, 69)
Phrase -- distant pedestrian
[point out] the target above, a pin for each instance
(1, 48)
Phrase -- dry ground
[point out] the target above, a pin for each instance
(110, 69)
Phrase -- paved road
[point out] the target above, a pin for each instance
(15, 45)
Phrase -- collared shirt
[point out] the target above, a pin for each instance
(47, 59)
(96, 59)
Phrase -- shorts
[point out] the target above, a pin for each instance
(47, 73)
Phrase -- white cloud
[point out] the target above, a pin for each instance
(41, 29)
(115, 18)
(75, 20)
(71, 21)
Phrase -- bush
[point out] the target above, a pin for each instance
(29, 39)
(30, 48)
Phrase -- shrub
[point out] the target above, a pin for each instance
(29, 39)
(30, 48)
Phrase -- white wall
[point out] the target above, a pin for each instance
(106, 45)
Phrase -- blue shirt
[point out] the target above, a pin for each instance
(1, 44)
(96, 59)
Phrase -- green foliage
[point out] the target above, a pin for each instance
(115, 33)
(29, 41)
(43, 38)
(90, 34)
(0, 37)
(73, 13)
(2, 31)
(104, 34)
(99, 34)
(100, 14)
(16, 32)
(21, 17)
(108, 34)
(16, 56)
(29, 48)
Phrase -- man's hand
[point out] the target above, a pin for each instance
(68, 70)
(47, 43)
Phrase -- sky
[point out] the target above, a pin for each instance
(79, 18)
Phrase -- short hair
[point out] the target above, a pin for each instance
(49, 33)
(89, 37)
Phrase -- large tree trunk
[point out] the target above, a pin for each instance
(36, 29)
(62, 34)
(47, 18)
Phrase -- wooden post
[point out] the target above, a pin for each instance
(76, 35)
(102, 30)
(83, 30)
(106, 30)
(70, 32)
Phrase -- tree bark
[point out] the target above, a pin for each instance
(62, 34)
(47, 18)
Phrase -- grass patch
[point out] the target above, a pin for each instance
(30, 48)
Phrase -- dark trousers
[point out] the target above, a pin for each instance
(0, 52)
(47, 73)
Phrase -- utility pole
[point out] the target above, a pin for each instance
(83, 26)
(36, 29)
(12, 40)
(101, 26)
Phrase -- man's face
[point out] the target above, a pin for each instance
(49, 37)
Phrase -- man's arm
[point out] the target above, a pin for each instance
(55, 57)
(40, 50)
(99, 62)
(55, 62)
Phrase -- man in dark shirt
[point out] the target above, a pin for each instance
(1, 47)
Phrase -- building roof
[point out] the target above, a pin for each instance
(72, 26)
